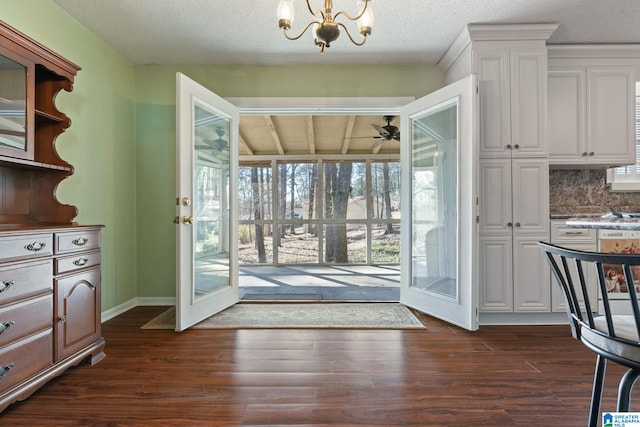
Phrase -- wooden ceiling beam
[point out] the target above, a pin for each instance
(311, 136)
(244, 146)
(347, 134)
(274, 134)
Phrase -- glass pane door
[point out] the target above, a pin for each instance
(434, 208)
(206, 250)
(438, 166)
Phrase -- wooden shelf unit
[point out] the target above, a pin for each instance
(50, 274)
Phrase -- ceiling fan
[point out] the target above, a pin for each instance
(217, 145)
(387, 133)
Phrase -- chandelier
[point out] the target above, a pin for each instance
(325, 30)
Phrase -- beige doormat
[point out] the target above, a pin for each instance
(302, 315)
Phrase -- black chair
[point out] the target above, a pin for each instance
(611, 335)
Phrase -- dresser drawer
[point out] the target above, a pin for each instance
(23, 280)
(25, 318)
(560, 233)
(76, 262)
(25, 246)
(78, 240)
(25, 358)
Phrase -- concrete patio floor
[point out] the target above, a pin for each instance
(320, 283)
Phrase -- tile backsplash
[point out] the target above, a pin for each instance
(585, 192)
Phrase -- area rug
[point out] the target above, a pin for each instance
(302, 315)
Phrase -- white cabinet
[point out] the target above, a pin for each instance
(584, 239)
(513, 204)
(513, 92)
(591, 99)
(513, 217)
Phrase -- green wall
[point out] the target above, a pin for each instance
(155, 137)
(100, 143)
(122, 140)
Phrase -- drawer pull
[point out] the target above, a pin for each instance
(80, 241)
(80, 261)
(35, 246)
(4, 286)
(6, 325)
(5, 369)
(574, 233)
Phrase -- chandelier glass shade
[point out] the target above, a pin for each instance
(325, 29)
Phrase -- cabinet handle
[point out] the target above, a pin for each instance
(62, 319)
(509, 224)
(5, 369)
(4, 286)
(517, 146)
(584, 153)
(5, 326)
(591, 153)
(509, 146)
(574, 233)
(80, 261)
(80, 241)
(35, 246)
(517, 224)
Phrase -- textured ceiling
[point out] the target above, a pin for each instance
(405, 31)
(211, 32)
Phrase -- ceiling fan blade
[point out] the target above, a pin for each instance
(375, 144)
(381, 130)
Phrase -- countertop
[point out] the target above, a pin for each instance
(611, 223)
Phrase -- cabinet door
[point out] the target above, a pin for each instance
(78, 322)
(495, 197)
(494, 96)
(530, 196)
(565, 122)
(611, 115)
(531, 292)
(496, 274)
(528, 72)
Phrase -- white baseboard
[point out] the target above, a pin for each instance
(558, 318)
(135, 302)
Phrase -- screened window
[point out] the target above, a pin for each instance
(320, 212)
(627, 178)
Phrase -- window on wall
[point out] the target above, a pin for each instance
(320, 212)
(627, 178)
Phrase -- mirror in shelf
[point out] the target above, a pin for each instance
(13, 102)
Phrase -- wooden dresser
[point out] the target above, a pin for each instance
(50, 313)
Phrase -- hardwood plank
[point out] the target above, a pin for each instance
(500, 375)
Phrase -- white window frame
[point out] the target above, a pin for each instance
(627, 178)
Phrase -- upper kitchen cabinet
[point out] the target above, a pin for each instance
(512, 82)
(591, 121)
(511, 64)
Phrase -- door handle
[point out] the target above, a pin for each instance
(187, 219)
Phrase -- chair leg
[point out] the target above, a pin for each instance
(596, 394)
(624, 390)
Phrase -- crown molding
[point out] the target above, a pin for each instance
(510, 32)
(593, 51)
(494, 32)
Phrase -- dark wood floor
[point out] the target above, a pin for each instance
(511, 376)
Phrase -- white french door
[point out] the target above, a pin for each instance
(438, 205)
(206, 220)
